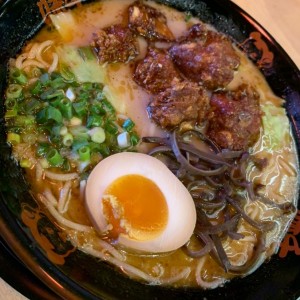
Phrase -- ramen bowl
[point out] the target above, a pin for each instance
(72, 274)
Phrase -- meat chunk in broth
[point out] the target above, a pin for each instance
(115, 44)
(185, 101)
(235, 118)
(156, 72)
(206, 57)
(149, 22)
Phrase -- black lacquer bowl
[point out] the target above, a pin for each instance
(81, 276)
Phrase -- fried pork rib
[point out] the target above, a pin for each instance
(156, 72)
(235, 118)
(114, 44)
(185, 101)
(206, 57)
(149, 22)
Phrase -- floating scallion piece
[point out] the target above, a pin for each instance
(54, 158)
(49, 113)
(13, 138)
(67, 74)
(71, 118)
(84, 153)
(19, 76)
(52, 93)
(107, 106)
(14, 91)
(11, 113)
(65, 107)
(36, 88)
(97, 135)
(111, 128)
(128, 124)
(134, 138)
(94, 121)
(11, 104)
(23, 121)
(68, 139)
(42, 149)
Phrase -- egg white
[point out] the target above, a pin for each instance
(181, 209)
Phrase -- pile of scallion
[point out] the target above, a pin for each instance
(69, 124)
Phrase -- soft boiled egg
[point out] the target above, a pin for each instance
(137, 201)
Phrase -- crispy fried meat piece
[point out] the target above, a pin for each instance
(149, 22)
(156, 72)
(185, 101)
(206, 57)
(235, 118)
(115, 44)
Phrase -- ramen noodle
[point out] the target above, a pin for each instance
(73, 102)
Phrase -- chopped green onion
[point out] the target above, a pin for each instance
(107, 106)
(52, 93)
(58, 83)
(65, 106)
(49, 113)
(35, 72)
(97, 135)
(111, 140)
(56, 140)
(68, 139)
(83, 96)
(11, 113)
(63, 130)
(100, 95)
(95, 158)
(84, 153)
(128, 124)
(94, 121)
(79, 142)
(134, 138)
(14, 91)
(23, 121)
(97, 109)
(75, 121)
(78, 130)
(103, 149)
(80, 108)
(25, 163)
(55, 130)
(19, 76)
(36, 88)
(67, 74)
(45, 79)
(32, 106)
(66, 166)
(13, 138)
(97, 86)
(111, 128)
(11, 104)
(54, 158)
(42, 149)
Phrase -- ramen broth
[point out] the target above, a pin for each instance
(280, 178)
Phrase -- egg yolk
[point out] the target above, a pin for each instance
(134, 205)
